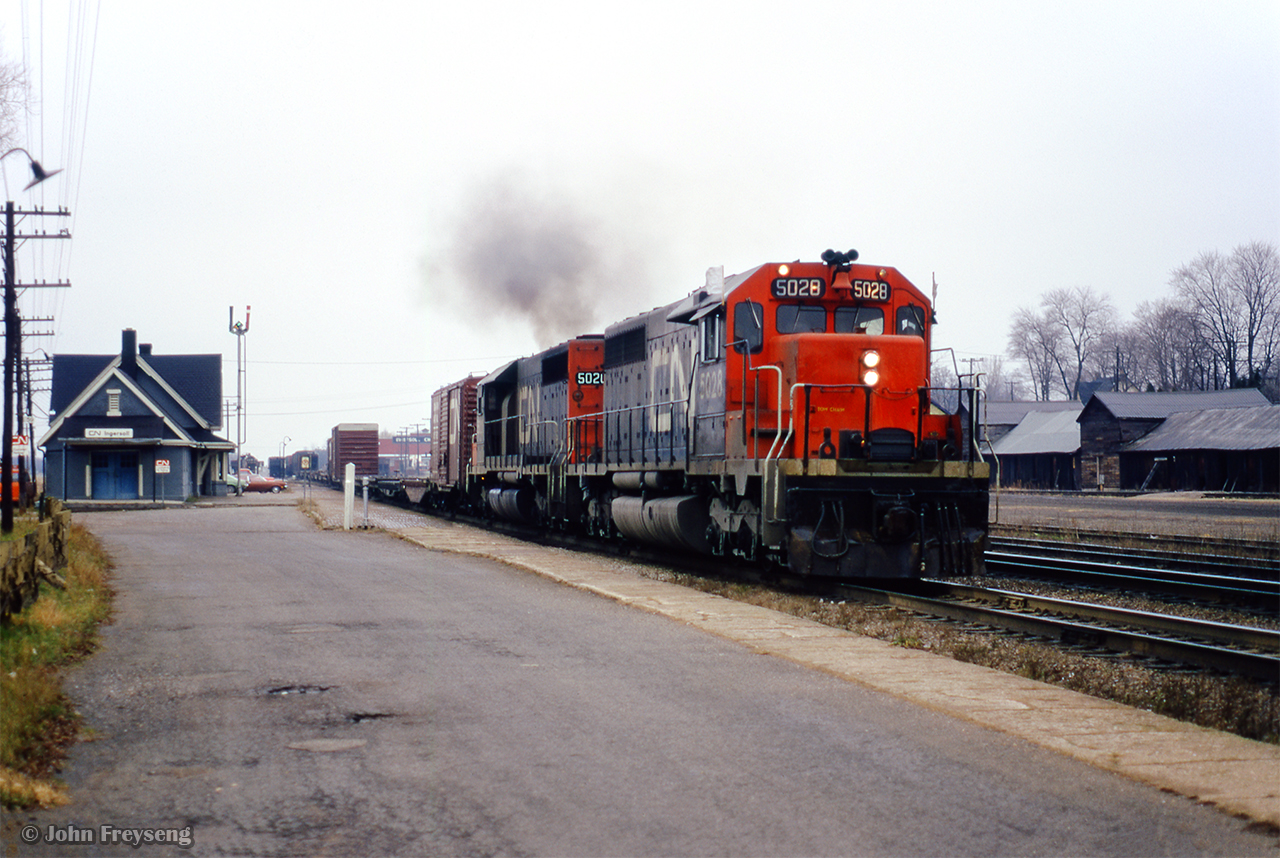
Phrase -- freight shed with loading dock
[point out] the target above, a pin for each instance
(1041, 452)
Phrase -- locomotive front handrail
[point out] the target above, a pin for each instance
(791, 422)
(774, 484)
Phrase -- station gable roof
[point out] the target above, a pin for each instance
(197, 379)
(184, 392)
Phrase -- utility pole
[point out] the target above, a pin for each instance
(973, 377)
(12, 346)
(13, 339)
(18, 422)
(10, 334)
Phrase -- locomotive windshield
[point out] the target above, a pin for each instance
(799, 319)
(860, 320)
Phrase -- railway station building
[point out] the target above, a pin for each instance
(135, 426)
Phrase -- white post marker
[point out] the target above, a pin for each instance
(348, 495)
(365, 481)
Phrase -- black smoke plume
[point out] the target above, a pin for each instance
(515, 252)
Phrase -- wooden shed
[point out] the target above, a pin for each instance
(1110, 420)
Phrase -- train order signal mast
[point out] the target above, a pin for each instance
(239, 330)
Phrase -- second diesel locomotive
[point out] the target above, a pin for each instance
(784, 414)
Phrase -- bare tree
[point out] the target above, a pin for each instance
(1083, 321)
(1167, 345)
(1123, 357)
(1002, 382)
(1203, 286)
(1255, 279)
(1234, 302)
(1034, 341)
(14, 97)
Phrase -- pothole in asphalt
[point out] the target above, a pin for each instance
(286, 690)
(361, 717)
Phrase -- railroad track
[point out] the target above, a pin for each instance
(1242, 650)
(1252, 565)
(1145, 544)
(1256, 587)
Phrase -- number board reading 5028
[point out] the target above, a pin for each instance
(816, 287)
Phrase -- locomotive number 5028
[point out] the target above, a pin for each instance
(799, 287)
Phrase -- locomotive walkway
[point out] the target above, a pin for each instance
(1238, 775)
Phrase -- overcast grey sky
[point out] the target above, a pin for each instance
(352, 171)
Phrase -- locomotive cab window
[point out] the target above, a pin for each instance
(711, 330)
(910, 321)
(860, 320)
(799, 319)
(748, 327)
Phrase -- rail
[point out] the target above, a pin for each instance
(1260, 594)
(1218, 646)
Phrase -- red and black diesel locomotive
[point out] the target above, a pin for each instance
(784, 414)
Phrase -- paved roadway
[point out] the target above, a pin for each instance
(447, 705)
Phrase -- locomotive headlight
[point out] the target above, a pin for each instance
(870, 359)
(870, 377)
(784, 270)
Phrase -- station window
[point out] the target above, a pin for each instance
(748, 327)
(860, 320)
(799, 319)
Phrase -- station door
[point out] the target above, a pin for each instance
(115, 476)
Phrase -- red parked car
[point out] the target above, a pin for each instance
(259, 483)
